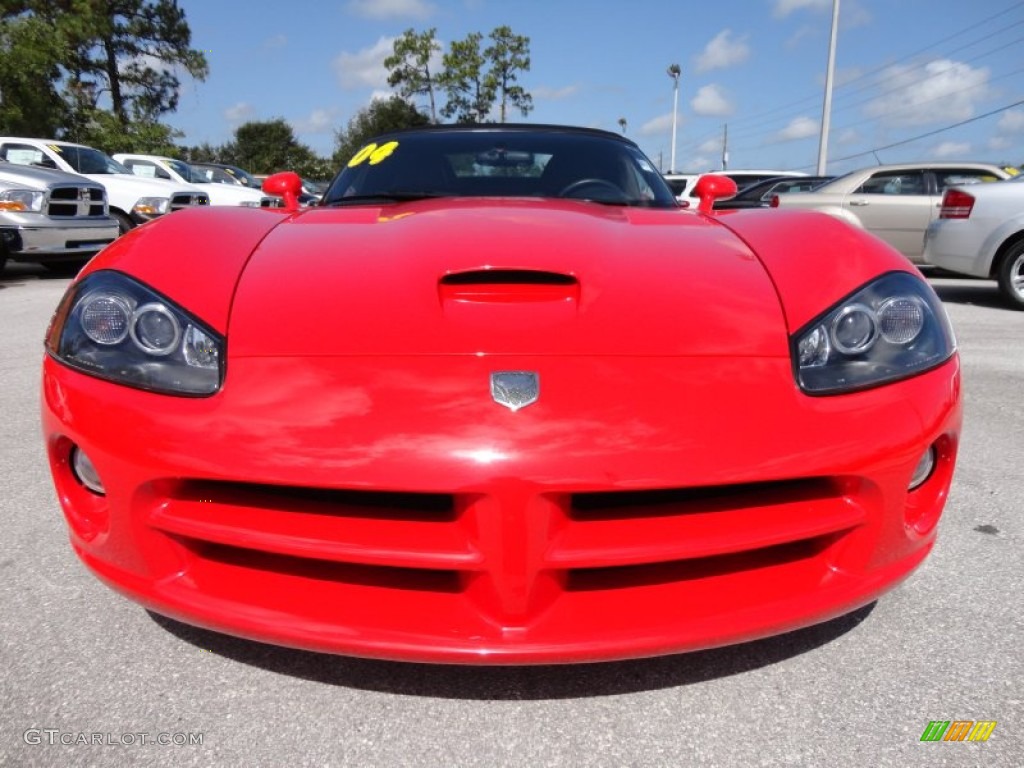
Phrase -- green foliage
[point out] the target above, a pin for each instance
(268, 146)
(409, 66)
(470, 94)
(508, 55)
(82, 57)
(470, 79)
(103, 130)
(381, 116)
(29, 102)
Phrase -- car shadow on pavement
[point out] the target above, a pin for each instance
(518, 683)
(980, 293)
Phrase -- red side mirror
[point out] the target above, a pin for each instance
(711, 187)
(286, 184)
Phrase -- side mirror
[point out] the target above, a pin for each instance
(711, 187)
(287, 185)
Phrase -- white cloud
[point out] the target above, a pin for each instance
(711, 147)
(240, 112)
(391, 9)
(942, 91)
(848, 137)
(318, 121)
(798, 128)
(365, 68)
(999, 143)
(275, 42)
(785, 7)
(952, 149)
(723, 51)
(851, 14)
(659, 126)
(555, 94)
(1011, 122)
(711, 101)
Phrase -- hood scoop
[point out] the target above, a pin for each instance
(508, 285)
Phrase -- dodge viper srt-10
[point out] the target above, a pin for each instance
(501, 400)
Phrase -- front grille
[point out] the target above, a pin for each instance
(182, 200)
(588, 541)
(76, 201)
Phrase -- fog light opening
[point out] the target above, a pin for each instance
(924, 469)
(85, 472)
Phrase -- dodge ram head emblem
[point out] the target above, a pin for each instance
(515, 389)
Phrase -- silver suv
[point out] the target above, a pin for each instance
(57, 219)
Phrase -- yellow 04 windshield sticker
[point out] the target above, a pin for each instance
(373, 153)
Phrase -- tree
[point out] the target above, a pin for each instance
(380, 116)
(125, 53)
(509, 54)
(470, 94)
(30, 104)
(268, 146)
(409, 66)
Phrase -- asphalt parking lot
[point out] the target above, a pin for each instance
(89, 678)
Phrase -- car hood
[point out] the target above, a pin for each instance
(509, 277)
(25, 176)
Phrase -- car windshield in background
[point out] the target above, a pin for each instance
(501, 162)
(87, 160)
(187, 172)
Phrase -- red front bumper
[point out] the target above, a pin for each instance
(389, 508)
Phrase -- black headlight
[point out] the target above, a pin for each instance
(113, 327)
(892, 328)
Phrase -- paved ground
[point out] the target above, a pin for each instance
(77, 660)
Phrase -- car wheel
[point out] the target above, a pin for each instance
(123, 222)
(1011, 275)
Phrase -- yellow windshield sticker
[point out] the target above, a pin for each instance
(374, 153)
(54, 147)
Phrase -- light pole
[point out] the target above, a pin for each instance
(826, 107)
(674, 72)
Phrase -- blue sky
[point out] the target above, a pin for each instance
(904, 69)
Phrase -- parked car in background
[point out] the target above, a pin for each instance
(155, 166)
(683, 184)
(894, 202)
(54, 218)
(240, 175)
(759, 194)
(980, 232)
(132, 200)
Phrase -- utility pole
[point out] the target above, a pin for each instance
(725, 147)
(826, 109)
(674, 72)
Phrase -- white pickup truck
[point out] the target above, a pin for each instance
(170, 169)
(54, 218)
(132, 200)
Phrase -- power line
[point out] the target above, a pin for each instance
(929, 133)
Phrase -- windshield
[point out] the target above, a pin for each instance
(502, 162)
(187, 172)
(89, 160)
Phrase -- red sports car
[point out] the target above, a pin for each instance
(500, 400)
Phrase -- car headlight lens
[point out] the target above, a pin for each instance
(890, 329)
(115, 328)
(24, 200)
(152, 206)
